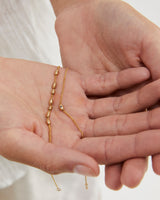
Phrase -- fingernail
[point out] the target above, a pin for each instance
(86, 171)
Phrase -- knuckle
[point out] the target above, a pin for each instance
(140, 98)
(107, 149)
(93, 128)
(118, 79)
(86, 128)
(120, 123)
(153, 117)
(149, 119)
(117, 104)
(135, 145)
(102, 80)
(91, 108)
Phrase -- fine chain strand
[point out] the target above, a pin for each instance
(48, 121)
(50, 141)
(61, 108)
(75, 123)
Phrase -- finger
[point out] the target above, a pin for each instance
(26, 147)
(113, 176)
(122, 124)
(132, 102)
(129, 174)
(133, 171)
(156, 163)
(104, 84)
(111, 150)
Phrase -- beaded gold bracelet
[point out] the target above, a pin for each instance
(61, 108)
(48, 121)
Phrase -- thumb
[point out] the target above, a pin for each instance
(25, 147)
(150, 53)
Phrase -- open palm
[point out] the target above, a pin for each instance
(25, 92)
(103, 36)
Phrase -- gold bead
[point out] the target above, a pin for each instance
(54, 85)
(61, 107)
(48, 114)
(50, 107)
(53, 91)
(56, 72)
(58, 189)
(51, 101)
(48, 121)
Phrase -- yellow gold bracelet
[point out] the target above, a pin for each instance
(62, 109)
(48, 121)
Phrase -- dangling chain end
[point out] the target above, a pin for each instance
(86, 183)
(58, 189)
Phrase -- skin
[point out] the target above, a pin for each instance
(25, 90)
(103, 36)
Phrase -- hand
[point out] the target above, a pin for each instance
(25, 90)
(109, 35)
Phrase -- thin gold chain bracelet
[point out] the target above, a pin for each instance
(62, 109)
